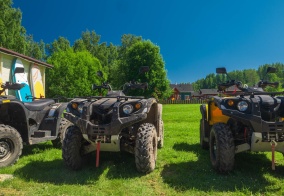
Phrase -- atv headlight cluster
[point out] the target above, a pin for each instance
(127, 109)
(242, 106)
(78, 107)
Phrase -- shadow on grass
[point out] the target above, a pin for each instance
(116, 166)
(36, 148)
(248, 174)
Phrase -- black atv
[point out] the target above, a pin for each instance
(26, 122)
(114, 122)
(252, 120)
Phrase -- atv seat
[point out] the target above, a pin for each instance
(38, 105)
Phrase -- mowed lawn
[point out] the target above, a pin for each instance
(183, 168)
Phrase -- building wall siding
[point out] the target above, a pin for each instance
(6, 62)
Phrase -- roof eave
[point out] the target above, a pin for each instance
(16, 54)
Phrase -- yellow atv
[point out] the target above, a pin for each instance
(250, 121)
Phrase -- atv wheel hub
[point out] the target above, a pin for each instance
(5, 150)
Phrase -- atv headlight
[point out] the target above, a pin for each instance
(242, 106)
(127, 109)
(80, 108)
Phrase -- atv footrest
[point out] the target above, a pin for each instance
(37, 140)
(41, 133)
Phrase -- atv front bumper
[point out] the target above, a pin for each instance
(269, 130)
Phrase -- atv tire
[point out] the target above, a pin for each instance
(222, 149)
(11, 145)
(72, 148)
(64, 124)
(146, 148)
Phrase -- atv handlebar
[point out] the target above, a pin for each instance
(224, 86)
(263, 84)
(11, 86)
(135, 85)
(104, 85)
(244, 88)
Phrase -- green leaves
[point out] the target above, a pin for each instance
(144, 53)
(73, 74)
(13, 35)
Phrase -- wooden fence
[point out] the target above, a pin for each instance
(183, 101)
(192, 101)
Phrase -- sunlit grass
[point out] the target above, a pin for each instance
(183, 168)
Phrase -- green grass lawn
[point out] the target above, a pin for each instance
(183, 168)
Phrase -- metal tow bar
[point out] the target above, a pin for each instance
(98, 153)
(273, 145)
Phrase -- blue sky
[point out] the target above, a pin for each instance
(194, 36)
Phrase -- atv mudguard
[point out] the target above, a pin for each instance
(152, 113)
(53, 117)
(214, 111)
(203, 111)
(204, 120)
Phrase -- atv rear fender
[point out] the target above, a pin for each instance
(26, 122)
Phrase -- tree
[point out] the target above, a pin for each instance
(73, 74)
(61, 44)
(34, 49)
(250, 76)
(127, 40)
(119, 63)
(12, 34)
(107, 54)
(90, 41)
(145, 53)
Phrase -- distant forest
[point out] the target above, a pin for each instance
(248, 76)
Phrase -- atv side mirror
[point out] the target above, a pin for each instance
(143, 69)
(19, 70)
(100, 74)
(271, 70)
(221, 70)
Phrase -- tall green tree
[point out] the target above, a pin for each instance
(73, 74)
(12, 33)
(127, 40)
(35, 49)
(251, 77)
(107, 54)
(145, 53)
(61, 44)
(119, 63)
